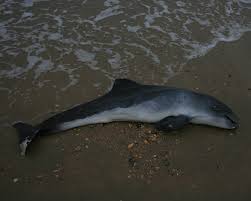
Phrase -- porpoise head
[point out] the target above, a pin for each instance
(216, 113)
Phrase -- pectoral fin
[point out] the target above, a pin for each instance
(172, 123)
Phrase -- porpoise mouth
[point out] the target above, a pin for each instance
(233, 120)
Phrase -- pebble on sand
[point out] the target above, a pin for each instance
(153, 138)
(130, 145)
(78, 148)
(15, 180)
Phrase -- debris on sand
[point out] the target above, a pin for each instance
(132, 159)
(175, 172)
(77, 148)
(153, 138)
(40, 177)
(130, 145)
(146, 151)
(15, 180)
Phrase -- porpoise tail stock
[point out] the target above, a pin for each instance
(167, 108)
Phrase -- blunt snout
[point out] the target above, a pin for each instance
(233, 120)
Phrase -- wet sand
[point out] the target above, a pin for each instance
(124, 161)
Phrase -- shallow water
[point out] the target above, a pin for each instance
(43, 42)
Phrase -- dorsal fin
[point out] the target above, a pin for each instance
(120, 84)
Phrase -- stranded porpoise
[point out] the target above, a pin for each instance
(167, 108)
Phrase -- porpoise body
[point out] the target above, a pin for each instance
(167, 108)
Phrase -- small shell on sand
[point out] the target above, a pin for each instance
(130, 145)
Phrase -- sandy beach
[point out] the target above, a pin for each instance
(125, 161)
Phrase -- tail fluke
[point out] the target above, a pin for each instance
(26, 134)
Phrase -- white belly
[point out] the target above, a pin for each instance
(135, 113)
(148, 112)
